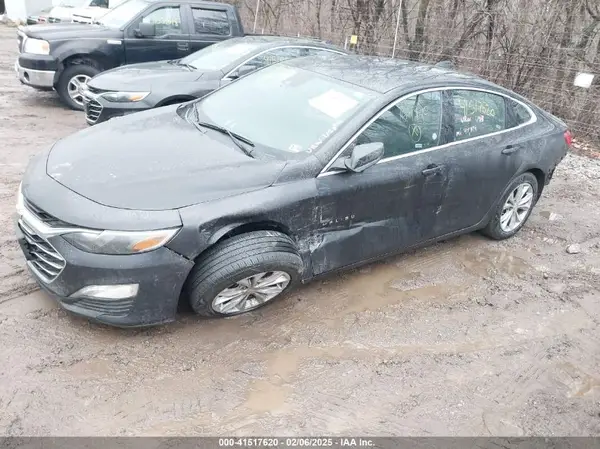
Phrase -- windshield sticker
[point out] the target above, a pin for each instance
(323, 136)
(295, 148)
(333, 103)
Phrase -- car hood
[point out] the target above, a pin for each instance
(56, 31)
(155, 160)
(141, 77)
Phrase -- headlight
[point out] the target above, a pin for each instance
(36, 46)
(119, 242)
(125, 97)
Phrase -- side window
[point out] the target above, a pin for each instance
(210, 21)
(477, 114)
(413, 124)
(274, 56)
(166, 19)
(519, 113)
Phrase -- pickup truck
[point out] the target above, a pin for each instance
(64, 56)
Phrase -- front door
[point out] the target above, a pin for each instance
(392, 205)
(172, 40)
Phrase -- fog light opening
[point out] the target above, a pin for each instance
(107, 292)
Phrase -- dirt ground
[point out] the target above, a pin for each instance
(467, 337)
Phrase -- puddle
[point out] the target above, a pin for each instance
(489, 262)
(264, 396)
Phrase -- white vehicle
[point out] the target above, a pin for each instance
(94, 10)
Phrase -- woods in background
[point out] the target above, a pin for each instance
(534, 47)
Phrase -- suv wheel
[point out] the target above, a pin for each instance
(243, 273)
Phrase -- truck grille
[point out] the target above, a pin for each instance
(43, 258)
(93, 109)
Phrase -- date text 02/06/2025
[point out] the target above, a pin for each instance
(295, 442)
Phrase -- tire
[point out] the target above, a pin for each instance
(236, 259)
(495, 229)
(85, 69)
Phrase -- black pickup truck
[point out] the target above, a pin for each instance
(64, 56)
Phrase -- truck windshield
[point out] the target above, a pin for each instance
(285, 109)
(220, 55)
(122, 14)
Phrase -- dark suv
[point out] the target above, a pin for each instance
(65, 56)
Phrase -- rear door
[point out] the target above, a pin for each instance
(487, 150)
(172, 40)
(208, 25)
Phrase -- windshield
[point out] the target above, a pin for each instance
(220, 55)
(122, 14)
(285, 108)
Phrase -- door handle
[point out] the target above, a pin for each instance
(432, 170)
(510, 149)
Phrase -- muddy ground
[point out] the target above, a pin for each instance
(468, 337)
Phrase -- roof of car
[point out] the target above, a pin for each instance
(380, 74)
(273, 40)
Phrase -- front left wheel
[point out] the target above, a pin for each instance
(73, 78)
(243, 273)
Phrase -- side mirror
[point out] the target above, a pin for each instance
(146, 30)
(243, 70)
(364, 156)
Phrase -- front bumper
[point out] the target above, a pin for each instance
(36, 72)
(160, 275)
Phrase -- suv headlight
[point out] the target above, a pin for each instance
(36, 46)
(119, 242)
(125, 97)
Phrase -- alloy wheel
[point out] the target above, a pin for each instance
(74, 88)
(517, 207)
(251, 292)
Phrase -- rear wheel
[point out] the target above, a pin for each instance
(243, 273)
(70, 82)
(514, 208)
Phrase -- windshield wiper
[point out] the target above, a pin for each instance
(236, 138)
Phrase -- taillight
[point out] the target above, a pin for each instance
(568, 138)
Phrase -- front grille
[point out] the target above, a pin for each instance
(44, 216)
(120, 307)
(42, 256)
(93, 109)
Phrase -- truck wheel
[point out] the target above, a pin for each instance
(243, 273)
(71, 79)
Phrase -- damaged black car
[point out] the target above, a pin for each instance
(305, 167)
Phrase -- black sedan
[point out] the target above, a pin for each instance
(137, 87)
(308, 166)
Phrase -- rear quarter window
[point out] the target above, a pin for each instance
(517, 113)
